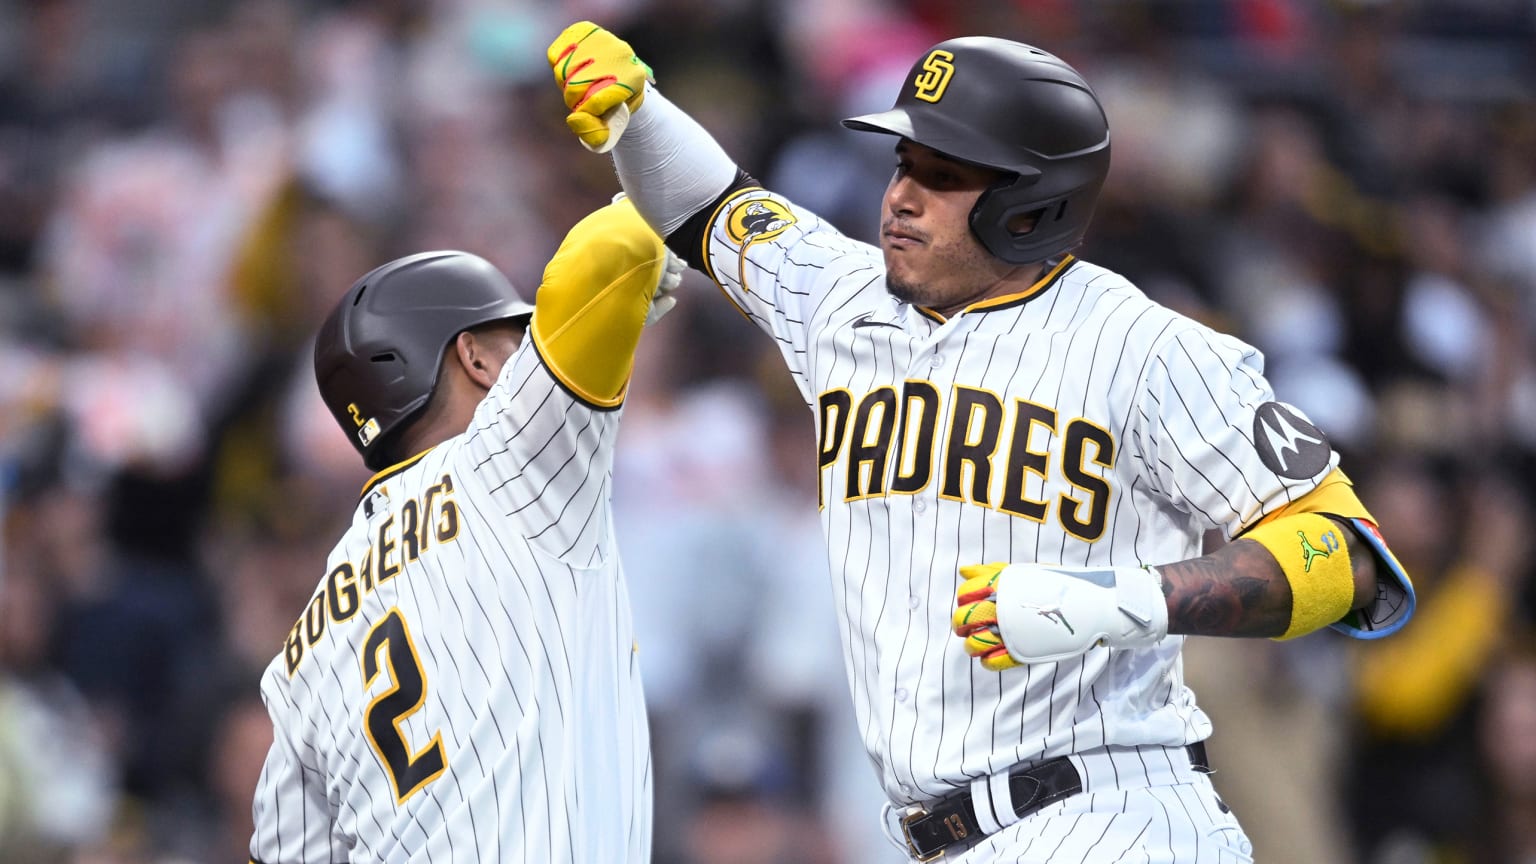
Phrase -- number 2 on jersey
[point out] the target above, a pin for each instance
(381, 721)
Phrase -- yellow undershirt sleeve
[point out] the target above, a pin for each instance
(593, 300)
(1334, 496)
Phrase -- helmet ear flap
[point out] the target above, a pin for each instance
(1022, 224)
(1002, 217)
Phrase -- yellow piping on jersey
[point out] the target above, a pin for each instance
(709, 269)
(741, 254)
(394, 469)
(990, 303)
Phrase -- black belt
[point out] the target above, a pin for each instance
(951, 824)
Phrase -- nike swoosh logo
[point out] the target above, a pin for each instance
(865, 321)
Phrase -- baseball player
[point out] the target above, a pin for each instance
(462, 686)
(1018, 453)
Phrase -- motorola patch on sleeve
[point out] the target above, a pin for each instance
(1288, 443)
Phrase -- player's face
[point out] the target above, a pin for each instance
(931, 257)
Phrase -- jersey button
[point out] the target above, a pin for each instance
(937, 361)
(912, 602)
(919, 505)
(901, 694)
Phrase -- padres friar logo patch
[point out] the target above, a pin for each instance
(1288, 443)
(757, 220)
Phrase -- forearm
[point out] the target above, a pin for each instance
(669, 165)
(1298, 575)
(1240, 589)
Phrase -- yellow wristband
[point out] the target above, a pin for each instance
(1312, 553)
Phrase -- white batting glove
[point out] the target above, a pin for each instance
(1036, 613)
(671, 277)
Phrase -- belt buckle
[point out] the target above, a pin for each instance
(913, 814)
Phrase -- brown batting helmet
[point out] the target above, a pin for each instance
(1012, 107)
(380, 351)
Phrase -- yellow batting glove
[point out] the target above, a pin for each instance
(975, 618)
(601, 79)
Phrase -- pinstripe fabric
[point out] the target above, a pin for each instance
(1078, 423)
(516, 611)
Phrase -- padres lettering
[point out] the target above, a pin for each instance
(975, 463)
(402, 536)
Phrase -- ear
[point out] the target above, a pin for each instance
(475, 360)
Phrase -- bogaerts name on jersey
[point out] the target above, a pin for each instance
(402, 535)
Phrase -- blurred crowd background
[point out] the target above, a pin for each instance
(186, 185)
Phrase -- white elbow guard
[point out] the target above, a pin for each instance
(1047, 612)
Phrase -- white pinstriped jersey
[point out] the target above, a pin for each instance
(463, 686)
(1076, 423)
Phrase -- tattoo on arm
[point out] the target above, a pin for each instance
(1238, 590)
